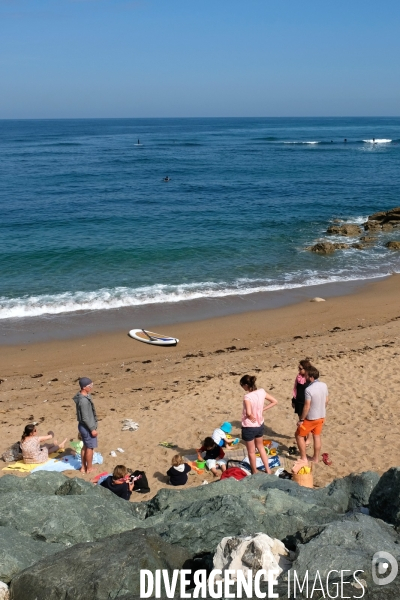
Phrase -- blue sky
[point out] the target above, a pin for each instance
(179, 58)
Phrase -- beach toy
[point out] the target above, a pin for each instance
(267, 442)
(77, 446)
(200, 464)
(226, 427)
(272, 452)
(235, 441)
(228, 437)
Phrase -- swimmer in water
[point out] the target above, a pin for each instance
(167, 178)
(345, 140)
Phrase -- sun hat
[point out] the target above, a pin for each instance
(226, 427)
(84, 382)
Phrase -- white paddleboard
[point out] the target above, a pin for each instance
(149, 337)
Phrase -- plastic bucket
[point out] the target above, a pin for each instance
(200, 464)
(305, 480)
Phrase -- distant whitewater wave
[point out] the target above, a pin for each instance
(312, 143)
(119, 297)
(378, 141)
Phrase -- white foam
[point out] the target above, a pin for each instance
(301, 142)
(377, 141)
(106, 299)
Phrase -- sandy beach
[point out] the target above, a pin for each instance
(181, 394)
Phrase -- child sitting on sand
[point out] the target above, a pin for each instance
(178, 472)
(213, 456)
(220, 438)
(119, 483)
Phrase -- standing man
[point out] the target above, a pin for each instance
(313, 414)
(87, 423)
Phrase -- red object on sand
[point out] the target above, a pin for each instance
(326, 460)
(95, 479)
(234, 472)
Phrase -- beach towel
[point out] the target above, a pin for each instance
(55, 463)
(21, 466)
(67, 463)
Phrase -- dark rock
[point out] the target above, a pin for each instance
(66, 519)
(347, 229)
(200, 523)
(393, 245)
(42, 482)
(18, 551)
(372, 226)
(108, 568)
(322, 248)
(388, 216)
(385, 499)
(367, 239)
(341, 246)
(359, 246)
(348, 492)
(348, 544)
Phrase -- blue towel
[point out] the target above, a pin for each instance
(67, 463)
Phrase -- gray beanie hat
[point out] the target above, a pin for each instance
(84, 381)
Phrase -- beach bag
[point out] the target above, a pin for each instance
(141, 485)
(235, 472)
(13, 453)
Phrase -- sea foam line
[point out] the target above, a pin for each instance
(119, 297)
(379, 141)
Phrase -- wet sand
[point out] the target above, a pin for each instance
(181, 394)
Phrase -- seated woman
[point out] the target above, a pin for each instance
(32, 452)
(119, 482)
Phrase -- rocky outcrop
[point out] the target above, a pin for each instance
(372, 226)
(385, 498)
(198, 518)
(322, 248)
(393, 245)
(391, 216)
(108, 568)
(348, 544)
(19, 551)
(62, 537)
(347, 229)
(44, 510)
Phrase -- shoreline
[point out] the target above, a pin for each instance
(28, 330)
(181, 394)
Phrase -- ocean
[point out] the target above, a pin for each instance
(88, 222)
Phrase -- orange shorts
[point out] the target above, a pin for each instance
(314, 427)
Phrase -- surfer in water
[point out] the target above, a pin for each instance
(138, 142)
(167, 178)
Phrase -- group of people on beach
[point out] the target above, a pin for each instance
(310, 397)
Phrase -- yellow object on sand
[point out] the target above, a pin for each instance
(21, 466)
(304, 471)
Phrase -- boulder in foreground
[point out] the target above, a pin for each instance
(108, 568)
